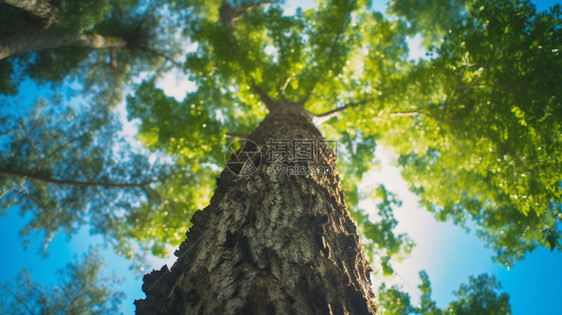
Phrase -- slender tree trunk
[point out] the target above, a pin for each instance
(21, 43)
(269, 243)
(39, 8)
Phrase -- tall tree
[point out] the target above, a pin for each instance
(34, 42)
(348, 64)
(343, 55)
(102, 44)
(264, 260)
(270, 241)
(42, 9)
(74, 18)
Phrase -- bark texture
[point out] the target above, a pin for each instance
(21, 43)
(268, 243)
(39, 8)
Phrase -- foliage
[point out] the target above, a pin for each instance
(431, 19)
(380, 239)
(481, 118)
(478, 297)
(265, 52)
(57, 178)
(487, 126)
(80, 289)
(393, 301)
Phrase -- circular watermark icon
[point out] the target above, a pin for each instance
(243, 157)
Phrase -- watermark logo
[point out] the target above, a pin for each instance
(245, 157)
(299, 170)
(283, 157)
(300, 150)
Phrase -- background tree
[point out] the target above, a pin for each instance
(41, 9)
(430, 19)
(479, 296)
(69, 168)
(102, 45)
(81, 289)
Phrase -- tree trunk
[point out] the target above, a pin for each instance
(21, 43)
(39, 8)
(269, 243)
(42, 10)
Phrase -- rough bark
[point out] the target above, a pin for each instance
(269, 243)
(21, 43)
(39, 8)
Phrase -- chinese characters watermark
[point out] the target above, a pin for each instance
(283, 157)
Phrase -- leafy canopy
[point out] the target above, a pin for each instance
(248, 52)
(487, 127)
(91, 178)
(482, 117)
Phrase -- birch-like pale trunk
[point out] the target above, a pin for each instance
(39, 8)
(21, 43)
(269, 243)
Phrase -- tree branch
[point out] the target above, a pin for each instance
(159, 54)
(269, 102)
(80, 292)
(336, 112)
(282, 91)
(419, 113)
(228, 15)
(237, 135)
(48, 179)
(406, 114)
(112, 58)
(18, 298)
(5, 192)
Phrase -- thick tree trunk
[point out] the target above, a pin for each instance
(269, 243)
(21, 43)
(39, 8)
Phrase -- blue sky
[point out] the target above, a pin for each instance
(450, 255)
(447, 253)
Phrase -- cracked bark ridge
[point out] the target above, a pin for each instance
(268, 243)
